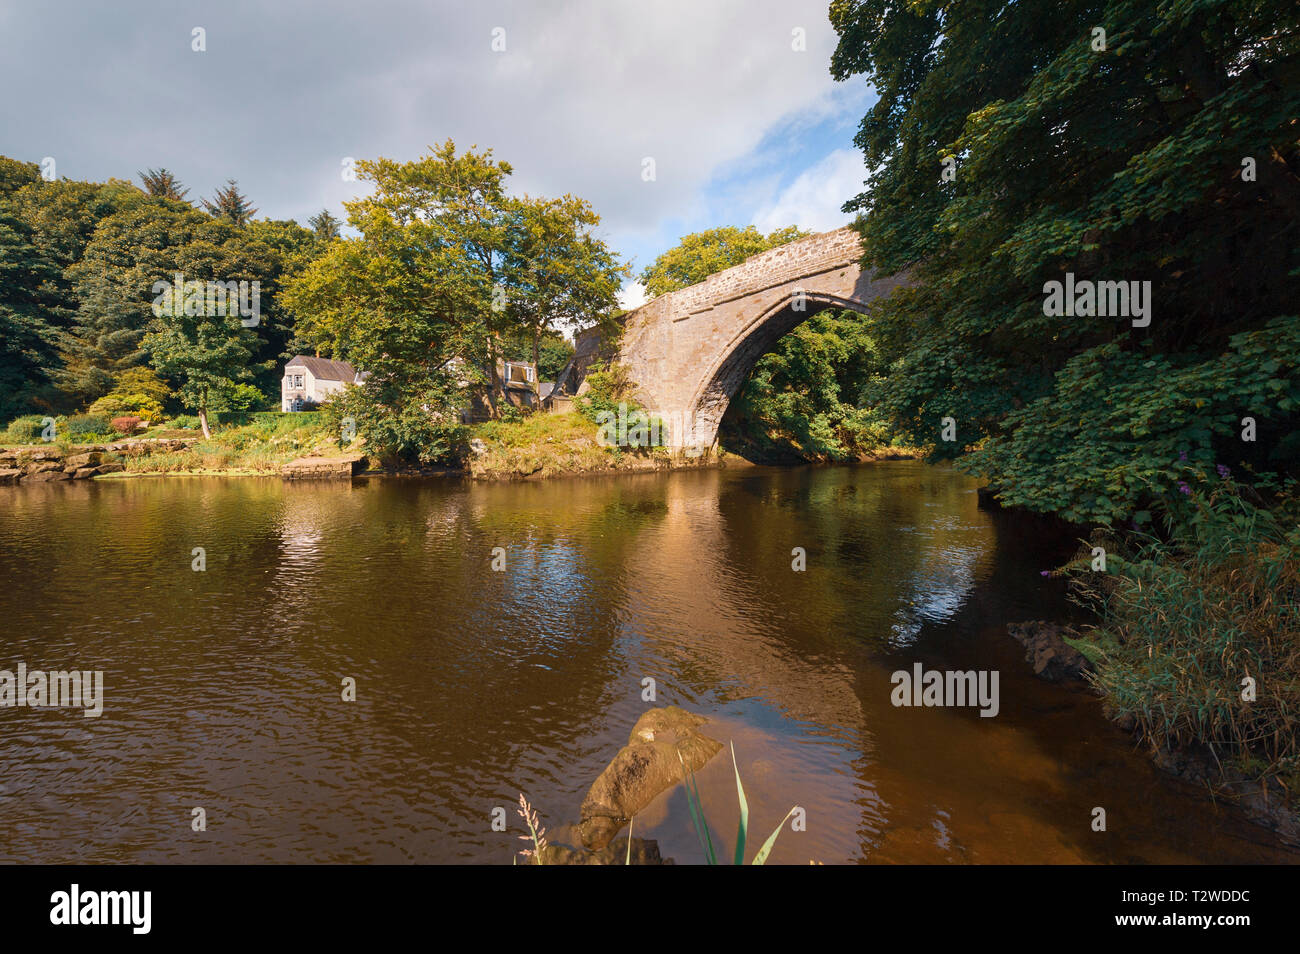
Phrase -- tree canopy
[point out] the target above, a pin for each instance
(1119, 141)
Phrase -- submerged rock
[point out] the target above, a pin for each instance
(642, 769)
(1047, 651)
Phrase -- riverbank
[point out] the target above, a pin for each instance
(536, 447)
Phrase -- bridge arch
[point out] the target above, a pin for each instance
(688, 352)
(735, 362)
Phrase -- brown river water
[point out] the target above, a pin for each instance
(222, 687)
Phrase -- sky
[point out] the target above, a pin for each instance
(732, 100)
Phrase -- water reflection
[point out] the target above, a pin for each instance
(223, 687)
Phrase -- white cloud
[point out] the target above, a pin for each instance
(632, 295)
(583, 92)
(813, 199)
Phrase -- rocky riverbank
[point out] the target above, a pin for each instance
(54, 463)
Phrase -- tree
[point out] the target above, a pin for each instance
(209, 355)
(14, 174)
(28, 342)
(162, 184)
(1008, 149)
(557, 274)
(701, 254)
(113, 283)
(325, 225)
(415, 292)
(230, 204)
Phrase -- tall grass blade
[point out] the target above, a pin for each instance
(743, 826)
(763, 852)
(697, 812)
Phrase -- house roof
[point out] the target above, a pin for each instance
(325, 369)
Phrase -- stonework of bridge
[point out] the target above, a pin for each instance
(688, 352)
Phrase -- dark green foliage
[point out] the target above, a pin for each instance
(1120, 164)
(82, 427)
(802, 400)
(29, 344)
(399, 426)
(325, 226)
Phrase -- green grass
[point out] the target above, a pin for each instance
(545, 445)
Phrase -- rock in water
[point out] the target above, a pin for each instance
(642, 769)
(1047, 651)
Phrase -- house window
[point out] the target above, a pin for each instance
(297, 380)
(528, 373)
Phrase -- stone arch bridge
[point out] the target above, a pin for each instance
(688, 352)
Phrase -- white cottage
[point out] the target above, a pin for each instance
(308, 381)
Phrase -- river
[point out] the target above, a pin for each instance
(223, 686)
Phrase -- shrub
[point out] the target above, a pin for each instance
(26, 429)
(242, 399)
(85, 427)
(121, 405)
(184, 422)
(126, 424)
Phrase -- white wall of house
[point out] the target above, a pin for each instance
(299, 383)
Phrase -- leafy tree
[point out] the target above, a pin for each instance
(28, 343)
(1012, 144)
(558, 275)
(230, 204)
(209, 355)
(14, 174)
(113, 286)
(162, 184)
(411, 300)
(804, 399)
(325, 225)
(701, 254)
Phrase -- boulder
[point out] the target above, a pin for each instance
(8, 460)
(84, 473)
(10, 475)
(44, 466)
(644, 852)
(44, 475)
(88, 459)
(1047, 651)
(39, 455)
(642, 769)
(329, 468)
(111, 467)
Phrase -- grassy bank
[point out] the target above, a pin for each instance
(551, 445)
(1198, 639)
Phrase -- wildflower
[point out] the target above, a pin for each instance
(1044, 572)
(1183, 488)
(1223, 470)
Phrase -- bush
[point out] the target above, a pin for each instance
(126, 424)
(121, 405)
(85, 427)
(26, 429)
(243, 398)
(1185, 621)
(184, 422)
(423, 426)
